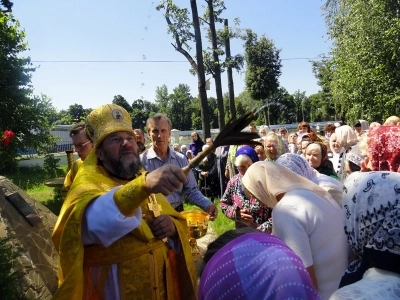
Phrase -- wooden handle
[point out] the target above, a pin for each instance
(197, 160)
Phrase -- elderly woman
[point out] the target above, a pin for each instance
(383, 149)
(372, 224)
(354, 159)
(299, 165)
(253, 266)
(360, 128)
(340, 143)
(316, 155)
(246, 211)
(306, 218)
(273, 146)
(264, 129)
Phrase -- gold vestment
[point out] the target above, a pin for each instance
(147, 268)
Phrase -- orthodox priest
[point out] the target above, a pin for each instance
(117, 235)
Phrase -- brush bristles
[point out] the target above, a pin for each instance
(231, 134)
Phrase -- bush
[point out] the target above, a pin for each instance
(50, 164)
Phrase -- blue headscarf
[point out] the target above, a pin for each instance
(250, 152)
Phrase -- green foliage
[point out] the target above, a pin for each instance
(27, 116)
(50, 164)
(365, 64)
(185, 29)
(7, 4)
(76, 112)
(180, 25)
(263, 66)
(121, 101)
(263, 69)
(179, 109)
(9, 286)
(141, 111)
(222, 35)
(31, 180)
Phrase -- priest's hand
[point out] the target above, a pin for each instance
(165, 180)
(212, 211)
(162, 227)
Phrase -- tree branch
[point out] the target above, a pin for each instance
(208, 23)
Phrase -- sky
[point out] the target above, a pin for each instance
(133, 30)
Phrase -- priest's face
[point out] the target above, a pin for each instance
(119, 154)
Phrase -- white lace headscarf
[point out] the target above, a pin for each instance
(265, 180)
(299, 165)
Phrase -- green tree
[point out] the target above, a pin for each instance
(245, 102)
(121, 101)
(76, 112)
(7, 4)
(263, 69)
(186, 30)
(300, 106)
(281, 108)
(141, 111)
(365, 58)
(21, 112)
(214, 63)
(323, 101)
(211, 59)
(162, 98)
(179, 109)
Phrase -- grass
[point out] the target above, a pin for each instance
(221, 223)
(31, 180)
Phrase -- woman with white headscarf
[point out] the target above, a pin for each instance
(340, 143)
(306, 218)
(371, 214)
(299, 165)
(360, 128)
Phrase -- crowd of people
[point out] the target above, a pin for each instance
(316, 213)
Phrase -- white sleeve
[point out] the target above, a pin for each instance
(291, 227)
(103, 223)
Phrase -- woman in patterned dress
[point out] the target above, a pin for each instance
(236, 205)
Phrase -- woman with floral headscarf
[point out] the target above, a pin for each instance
(306, 218)
(316, 155)
(299, 165)
(371, 213)
(383, 149)
(246, 211)
(253, 266)
(273, 146)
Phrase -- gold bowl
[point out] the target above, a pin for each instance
(197, 222)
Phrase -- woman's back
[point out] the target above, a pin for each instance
(312, 227)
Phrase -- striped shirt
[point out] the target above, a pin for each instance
(151, 161)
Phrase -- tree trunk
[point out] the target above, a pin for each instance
(217, 68)
(231, 91)
(200, 72)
